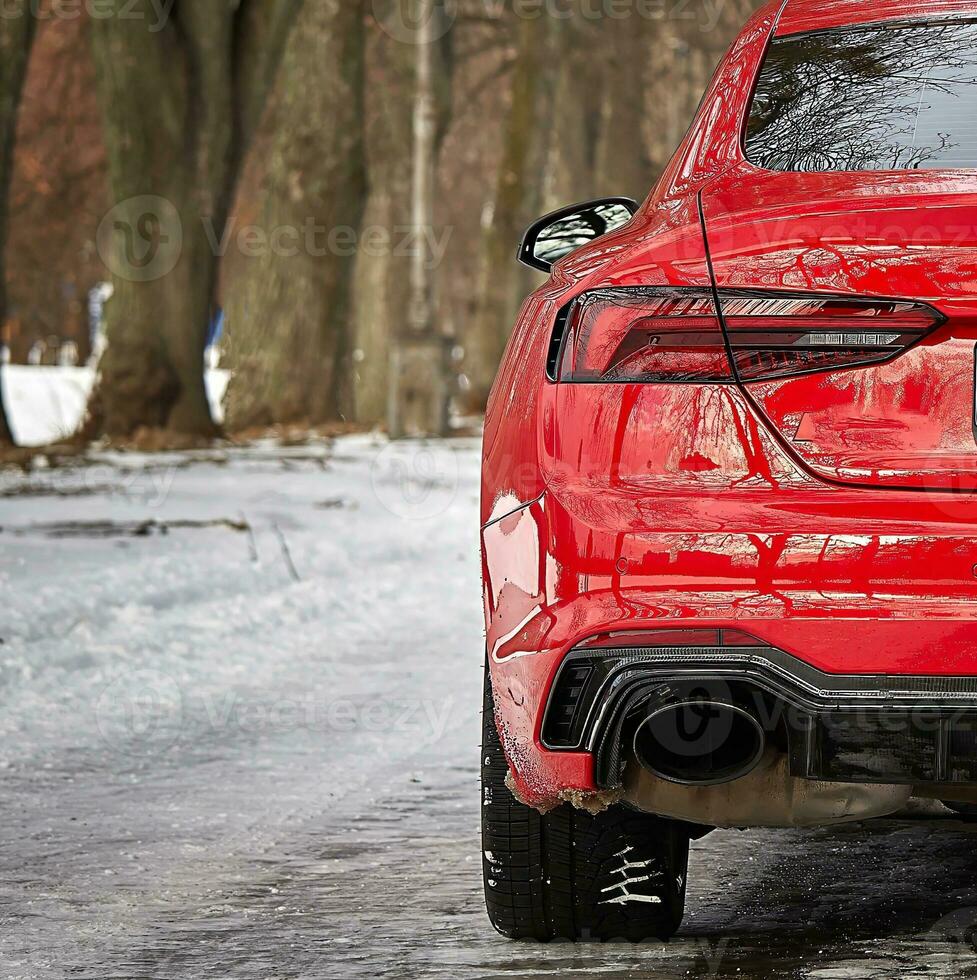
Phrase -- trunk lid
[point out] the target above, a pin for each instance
(909, 422)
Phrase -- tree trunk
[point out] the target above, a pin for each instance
(622, 165)
(17, 30)
(180, 105)
(381, 287)
(382, 280)
(569, 168)
(382, 277)
(419, 394)
(526, 138)
(290, 309)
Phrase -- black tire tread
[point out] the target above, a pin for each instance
(545, 875)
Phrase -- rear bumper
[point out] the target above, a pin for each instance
(856, 628)
(692, 517)
(898, 730)
(574, 737)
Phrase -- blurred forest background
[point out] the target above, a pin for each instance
(321, 198)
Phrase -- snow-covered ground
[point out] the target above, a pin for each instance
(239, 698)
(47, 403)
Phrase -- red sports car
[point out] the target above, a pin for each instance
(729, 514)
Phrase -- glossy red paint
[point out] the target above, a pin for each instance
(829, 515)
(907, 423)
(800, 16)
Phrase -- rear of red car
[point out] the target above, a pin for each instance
(729, 523)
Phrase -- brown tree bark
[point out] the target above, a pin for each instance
(58, 194)
(17, 30)
(569, 168)
(622, 165)
(382, 279)
(180, 102)
(288, 315)
(518, 197)
(419, 391)
(382, 276)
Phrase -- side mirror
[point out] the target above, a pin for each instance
(566, 230)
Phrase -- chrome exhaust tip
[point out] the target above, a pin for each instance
(700, 742)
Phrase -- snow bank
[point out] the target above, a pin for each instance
(45, 404)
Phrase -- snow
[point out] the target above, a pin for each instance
(174, 704)
(45, 404)
(239, 715)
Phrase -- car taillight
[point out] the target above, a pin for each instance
(779, 337)
(676, 335)
(619, 335)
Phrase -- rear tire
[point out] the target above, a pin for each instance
(570, 876)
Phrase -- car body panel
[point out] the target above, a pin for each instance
(664, 241)
(609, 508)
(909, 422)
(801, 16)
(846, 581)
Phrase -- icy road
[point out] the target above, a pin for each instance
(239, 700)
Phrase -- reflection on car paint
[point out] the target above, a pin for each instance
(831, 516)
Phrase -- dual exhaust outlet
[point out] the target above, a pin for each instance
(700, 741)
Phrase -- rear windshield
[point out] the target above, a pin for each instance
(898, 97)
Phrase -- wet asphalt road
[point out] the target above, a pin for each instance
(395, 894)
(388, 886)
(212, 769)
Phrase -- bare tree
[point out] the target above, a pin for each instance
(17, 30)
(382, 276)
(543, 110)
(288, 311)
(518, 195)
(419, 392)
(181, 100)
